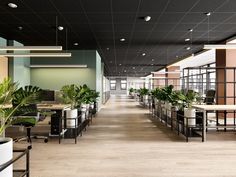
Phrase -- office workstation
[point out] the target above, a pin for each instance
(117, 88)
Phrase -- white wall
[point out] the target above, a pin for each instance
(197, 60)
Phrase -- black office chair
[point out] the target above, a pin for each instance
(210, 97)
(208, 100)
(28, 117)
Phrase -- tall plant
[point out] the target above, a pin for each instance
(70, 94)
(9, 94)
(83, 95)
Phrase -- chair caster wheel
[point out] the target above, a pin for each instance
(46, 140)
(29, 147)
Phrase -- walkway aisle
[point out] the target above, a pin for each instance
(123, 142)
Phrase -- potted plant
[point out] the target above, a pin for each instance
(70, 94)
(9, 94)
(144, 95)
(131, 92)
(165, 96)
(94, 97)
(189, 112)
(177, 99)
(83, 100)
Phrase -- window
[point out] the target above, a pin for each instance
(123, 84)
(113, 84)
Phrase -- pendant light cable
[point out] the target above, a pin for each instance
(56, 30)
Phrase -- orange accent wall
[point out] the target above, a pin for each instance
(174, 78)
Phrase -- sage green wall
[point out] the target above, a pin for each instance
(99, 77)
(55, 78)
(3, 42)
(19, 69)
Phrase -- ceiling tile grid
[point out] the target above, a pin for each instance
(101, 24)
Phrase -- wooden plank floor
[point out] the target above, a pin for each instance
(124, 142)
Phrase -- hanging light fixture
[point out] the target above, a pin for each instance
(220, 46)
(216, 46)
(35, 48)
(35, 54)
(58, 66)
(29, 48)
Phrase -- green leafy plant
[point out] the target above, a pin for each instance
(18, 97)
(163, 94)
(84, 95)
(25, 96)
(177, 98)
(70, 94)
(131, 90)
(94, 95)
(156, 93)
(144, 91)
(190, 97)
(76, 95)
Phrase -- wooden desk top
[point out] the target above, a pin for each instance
(215, 107)
(53, 106)
(44, 106)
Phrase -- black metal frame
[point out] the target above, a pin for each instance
(23, 172)
(187, 84)
(177, 121)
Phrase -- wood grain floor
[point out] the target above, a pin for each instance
(124, 142)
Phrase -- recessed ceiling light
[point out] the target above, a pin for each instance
(76, 43)
(122, 39)
(60, 28)
(190, 30)
(207, 13)
(12, 5)
(143, 54)
(133, 67)
(125, 71)
(108, 48)
(20, 28)
(187, 39)
(120, 64)
(188, 48)
(152, 59)
(147, 18)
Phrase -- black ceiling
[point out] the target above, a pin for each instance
(99, 24)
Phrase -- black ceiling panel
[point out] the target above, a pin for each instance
(100, 25)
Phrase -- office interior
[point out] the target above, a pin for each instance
(142, 88)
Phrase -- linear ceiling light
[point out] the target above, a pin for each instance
(167, 72)
(35, 55)
(220, 46)
(152, 77)
(58, 66)
(26, 48)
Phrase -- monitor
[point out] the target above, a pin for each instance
(48, 95)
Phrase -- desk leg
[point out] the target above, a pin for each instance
(204, 126)
(225, 120)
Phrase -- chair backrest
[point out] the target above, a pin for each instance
(27, 110)
(26, 115)
(210, 97)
